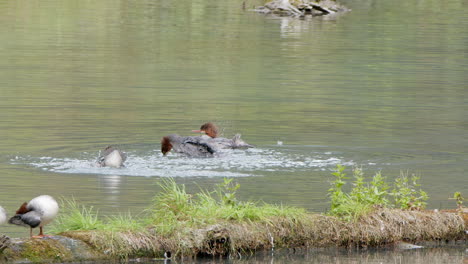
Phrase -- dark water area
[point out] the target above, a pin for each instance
(383, 87)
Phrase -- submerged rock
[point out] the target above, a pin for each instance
(301, 8)
(404, 246)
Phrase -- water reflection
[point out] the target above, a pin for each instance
(420, 256)
(110, 183)
(292, 27)
(457, 255)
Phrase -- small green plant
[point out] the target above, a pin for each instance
(337, 196)
(459, 199)
(373, 192)
(362, 197)
(227, 192)
(368, 194)
(405, 194)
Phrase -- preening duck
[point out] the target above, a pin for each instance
(3, 216)
(4, 240)
(36, 213)
(111, 157)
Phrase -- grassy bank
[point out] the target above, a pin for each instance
(234, 238)
(216, 223)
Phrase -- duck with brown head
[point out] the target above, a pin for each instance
(212, 131)
(209, 129)
(188, 146)
(201, 146)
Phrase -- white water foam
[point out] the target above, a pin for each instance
(233, 163)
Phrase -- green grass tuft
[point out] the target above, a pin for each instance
(78, 217)
(174, 208)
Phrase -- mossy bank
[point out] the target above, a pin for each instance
(384, 227)
(217, 224)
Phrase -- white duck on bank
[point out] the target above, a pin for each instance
(111, 157)
(4, 240)
(3, 216)
(36, 213)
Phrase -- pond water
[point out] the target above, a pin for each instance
(342, 256)
(383, 87)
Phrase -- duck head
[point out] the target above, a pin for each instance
(166, 145)
(209, 129)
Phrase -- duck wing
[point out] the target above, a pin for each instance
(202, 147)
(195, 146)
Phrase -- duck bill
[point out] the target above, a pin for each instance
(198, 131)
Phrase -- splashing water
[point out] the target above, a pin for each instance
(232, 163)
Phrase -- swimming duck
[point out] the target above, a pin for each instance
(111, 157)
(211, 130)
(201, 146)
(189, 146)
(3, 216)
(36, 213)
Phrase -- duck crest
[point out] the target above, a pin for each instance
(23, 209)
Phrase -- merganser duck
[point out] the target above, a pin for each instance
(36, 213)
(211, 130)
(189, 146)
(3, 216)
(111, 157)
(201, 146)
(4, 240)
